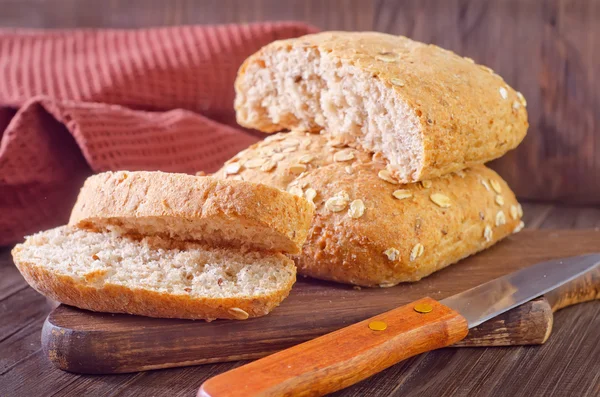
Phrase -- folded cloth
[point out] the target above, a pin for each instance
(81, 101)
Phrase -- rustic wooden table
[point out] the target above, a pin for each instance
(567, 365)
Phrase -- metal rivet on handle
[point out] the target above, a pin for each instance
(423, 308)
(377, 325)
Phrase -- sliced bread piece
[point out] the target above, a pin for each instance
(155, 277)
(368, 228)
(426, 109)
(187, 207)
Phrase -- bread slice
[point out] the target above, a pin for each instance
(426, 109)
(156, 277)
(187, 207)
(368, 228)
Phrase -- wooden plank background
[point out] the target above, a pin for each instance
(547, 49)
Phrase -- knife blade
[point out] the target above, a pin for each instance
(349, 355)
(481, 303)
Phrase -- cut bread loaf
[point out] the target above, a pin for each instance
(369, 229)
(187, 207)
(427, 110)
(156, 277)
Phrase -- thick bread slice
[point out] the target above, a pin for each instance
(426, 109)
(154, 277)
(187, 207)
(370, 230)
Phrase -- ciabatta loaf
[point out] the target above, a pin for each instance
(427, 110)
(371, 230)
(153, 276)
(187, 207)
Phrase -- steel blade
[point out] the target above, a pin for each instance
(488, 300)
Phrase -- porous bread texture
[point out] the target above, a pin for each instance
(187, 207)
(370, 230)
(426, 109)
(155, 277)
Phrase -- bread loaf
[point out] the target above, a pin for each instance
(170, 245)
(369, 229)
(427, 110)
(187, 207)
(156, 277)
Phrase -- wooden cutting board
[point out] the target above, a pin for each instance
(86, 342)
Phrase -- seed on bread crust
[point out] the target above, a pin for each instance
(233, 168)
(290, 143)
(296, 191)
(519, 227)
(488, 233)
(441, 200)
(392, 254)
(500, 218)
(254, 163)
(387, 56)
(521, 98)
(503, 92)
(336, 204)
(238, 313)
(310, 194)
(397, 82)
(337, 143)
(343, 155)
(417, 251)
(496, 186)
(357, 209)
(297, 168)
(269, 165)
(426, 184)
(386, 176)
(307, 158)
(401, 194)
(514, 212)
(278, 157)
(499, 200)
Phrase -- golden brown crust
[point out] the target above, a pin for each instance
(352, 250)
(466, 113)
(287, 154)
(114, 298)
(191, 207)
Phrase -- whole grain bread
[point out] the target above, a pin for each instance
(427, 110)
(369, 229)
(153, 276)
(187, 207)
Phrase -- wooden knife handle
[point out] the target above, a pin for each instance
(344, 357)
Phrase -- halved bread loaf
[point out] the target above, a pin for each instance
(426, 109)
(369, 229)
(187, 207)
(156, 277)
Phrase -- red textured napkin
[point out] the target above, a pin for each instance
(82, 101)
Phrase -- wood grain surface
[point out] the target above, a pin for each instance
(547, 49)
(566, 365)
(81, 341)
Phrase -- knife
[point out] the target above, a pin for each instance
(349, 355)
